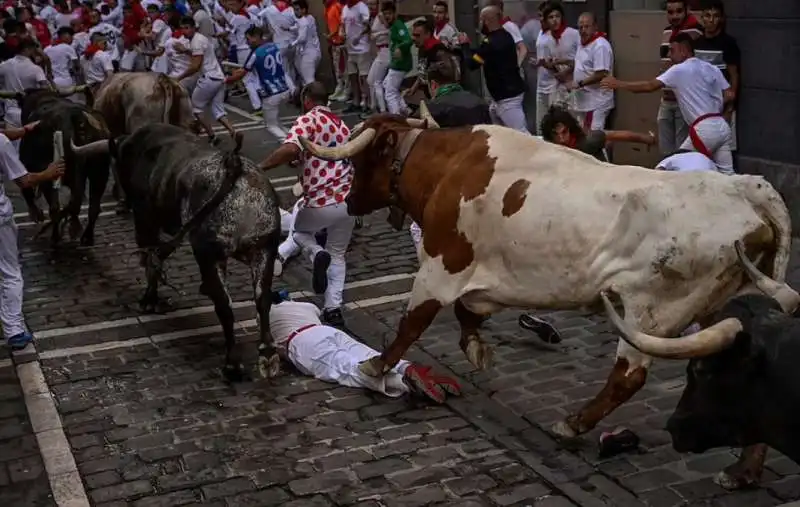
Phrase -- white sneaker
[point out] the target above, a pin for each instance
(278, 269)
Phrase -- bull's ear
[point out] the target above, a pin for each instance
(386, 143)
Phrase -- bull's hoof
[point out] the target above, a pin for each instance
(563, 430)
(374, 367)
(269, 366)
(479, 354)
(87, 240)
(36, 215)
(234, 373)
(733, 478)
(75, 229)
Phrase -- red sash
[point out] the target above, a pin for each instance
(698, 143)
(297, 332)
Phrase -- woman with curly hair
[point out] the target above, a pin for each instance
(560, 127)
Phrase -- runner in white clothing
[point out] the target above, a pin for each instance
(560, 44)
(702, 92)
(687, 161)
(594, 60)
(80, 37)
(63, 59)
(210, 88)
(97, 62)
(112, 34)
(156, 38)
(11, 283)
(239, 21)
(331, 355)
(279, 17)
(306, 47)
(17, 75)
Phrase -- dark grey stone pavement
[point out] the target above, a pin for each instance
(152, 423)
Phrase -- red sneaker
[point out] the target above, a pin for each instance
(419, 379)
(449, 384)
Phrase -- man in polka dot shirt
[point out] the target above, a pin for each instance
(325, 187)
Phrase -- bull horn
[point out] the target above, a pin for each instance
(416, 123)
(779, 291)
(70, 90)
(94, 122)
(93, 148)
(426, 115)
(347, 150)
(702, 343)
(8, 94)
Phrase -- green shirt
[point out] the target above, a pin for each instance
(399, 38)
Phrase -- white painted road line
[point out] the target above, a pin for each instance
(130, 321)
(242, 112)
(111, 204)
(245, 325)
(62, 472)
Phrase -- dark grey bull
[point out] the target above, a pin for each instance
(742, 381)
(179, 185)
(79, 125)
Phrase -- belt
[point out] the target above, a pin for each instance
(297, 332)
(698, 143)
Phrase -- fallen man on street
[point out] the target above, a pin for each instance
(331, 355)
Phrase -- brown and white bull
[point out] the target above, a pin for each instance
(130, 100)
(509, 220)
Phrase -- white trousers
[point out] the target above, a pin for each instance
(714, 136)
(330, 355)
(160, 64)
(391, 86)
(375, 78)
(11, 283)
(509, 112)
(209, 93)
(250, 80)
(287, 57)
(592, 120)
(340, 225)
(306, 65)
(189, 84)
(131, 60)
(289, 248)
(271, 110)
(13, 118)
(543, 103)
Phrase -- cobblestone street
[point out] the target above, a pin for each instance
(149, 420)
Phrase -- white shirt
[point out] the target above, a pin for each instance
(356, 20)
(20, 73)
(594, 57)
(176, 62)
(564, 48)
(48, 14)
(698, 86)
(114, 17)
(62, 56)
(282, 23)
(287, 317)
(513, 29)
(448, 35)
(687, 162)
(146, 3)
(112, 35)
(10, 169)
(65, 19)
(98, 67)
(239, 24)
(80, 41)
(545, 80)
(201, 46)
(162, 33)
(307, 37)
(205, 25)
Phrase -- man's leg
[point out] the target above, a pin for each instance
(667, 134)
(542, 106)
(364, 62)
(714, 137)
(354, 80)
(201, 98)
(416, 236)
(218, 107)
(511, 113)
(377, 73)
(11, 286)
(339, 234)
(394, 100)
(271, 112)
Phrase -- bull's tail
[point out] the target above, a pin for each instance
(167, 86)
(770, 205)
(234, 169)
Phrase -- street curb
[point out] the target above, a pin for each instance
(59, 462)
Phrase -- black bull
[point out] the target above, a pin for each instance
(178, 185)
(743, 384)
(79, 125)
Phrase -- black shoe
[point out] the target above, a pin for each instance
(333, 317)
(319, 274)
(541, 327)
(322, 238)
(352, 108)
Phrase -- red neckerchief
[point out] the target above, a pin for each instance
(253, 2)
(281, 5)
(91, 50)
(558, 32)
(439, 25)
(243, 12)
(593, 38)
(177, 34)
(572, 142)
(430, 44)
(505, 20)
(332, 117)
(352, 3)
(688, 23)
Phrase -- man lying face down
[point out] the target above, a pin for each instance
(331, 355)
